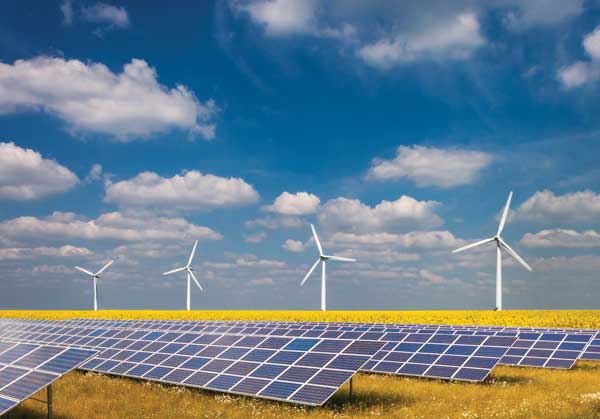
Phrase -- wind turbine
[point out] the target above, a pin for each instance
(190, 276)
(499, 245)
(323, 258)
(95, 276)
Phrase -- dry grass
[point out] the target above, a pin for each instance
(511, 392)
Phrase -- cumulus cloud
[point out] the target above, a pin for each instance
(295, 246)
(428, 166)
(357, 216)
(26, 175)
(189, 191)
(415, 239)
(300, 203)
(455, 39)
(562, 238)
(388, 34)
(89, 97)
(546, 207)
(582, 72)
(15, 253)
(108, 226)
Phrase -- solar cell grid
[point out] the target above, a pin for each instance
(28, 368)
(271, 368)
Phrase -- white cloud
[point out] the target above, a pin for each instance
(26, 175)
(428, 166)
(546, 207)
(414, 239)
(355, 215)
(255, 237)
(274, 223)
(562, 238)
(108, 226)
(300, 203)
(282, 17)
(190, 191)
(15, 253)
(294, 246)
(455, 39)
(582, 72)
(91, 98)
(107, 14)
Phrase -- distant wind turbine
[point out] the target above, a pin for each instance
(499, 245)
(95, 276)
(323, 258)
(190, 276)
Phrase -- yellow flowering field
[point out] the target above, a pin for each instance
(541, 318)
(510, 392)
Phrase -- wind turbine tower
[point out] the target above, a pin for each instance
(500, 244)
(95, 277)
(190, 276)
(323, 258)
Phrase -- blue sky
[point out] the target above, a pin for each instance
(130, 130)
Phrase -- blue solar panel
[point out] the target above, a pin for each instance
(28, 368)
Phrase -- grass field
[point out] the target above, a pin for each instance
(510, 392)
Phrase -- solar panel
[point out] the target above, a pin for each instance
(306, 371)
(592, 350)
(550, 350)
(25, 369)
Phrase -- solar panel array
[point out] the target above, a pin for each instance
(552, 349)
(474, 360)
(298, 370)
(231, 356)
(26, 369)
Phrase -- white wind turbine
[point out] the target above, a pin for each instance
(499, 245)
(323, 258)
(190, 276)
(95, 276)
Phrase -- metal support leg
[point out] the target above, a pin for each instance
(49, 401)
(350, 388)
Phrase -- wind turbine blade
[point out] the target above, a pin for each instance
(515, 255)
(310, 271)
(195, 280)
(175, 270)
(84, 271)
(316, 239)
(192, 254)
(468, 246)
(340, 259)
(504, 214)
(110, 262)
